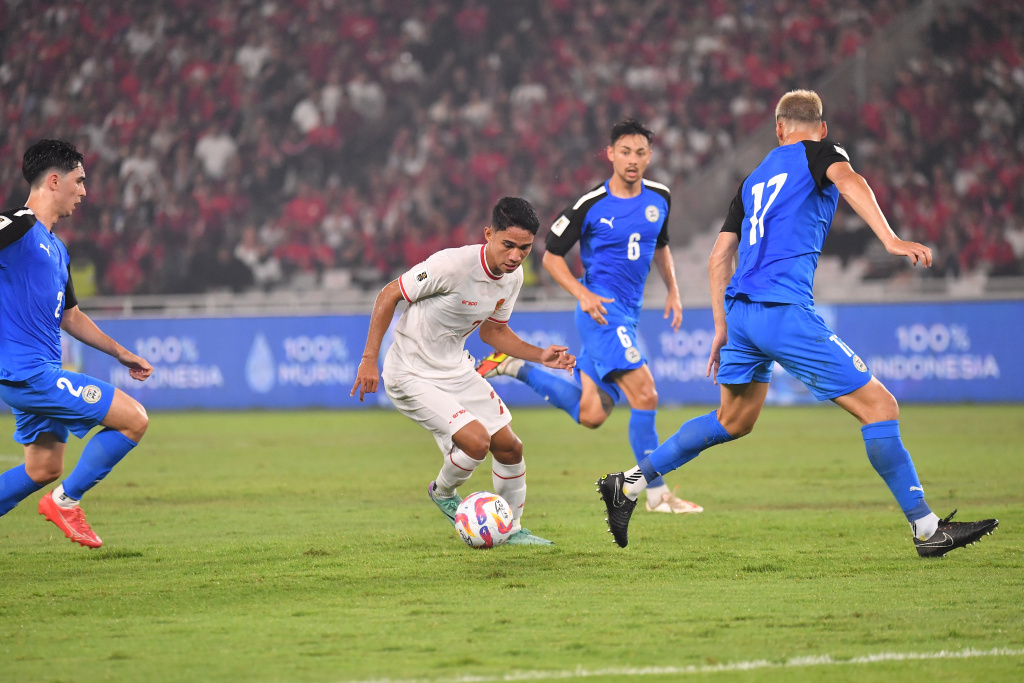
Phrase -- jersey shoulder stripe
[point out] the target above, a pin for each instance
(657, 186)
(14, 224)
(594, 194)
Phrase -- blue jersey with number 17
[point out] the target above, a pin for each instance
(782, 214)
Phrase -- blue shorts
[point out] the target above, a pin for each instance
(761, 334)
(55, 402)
(606, 349)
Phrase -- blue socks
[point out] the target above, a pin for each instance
(99, 457)
(693, 437)
(556, 389)
(892, 462)
(15, 486)
(643, 438)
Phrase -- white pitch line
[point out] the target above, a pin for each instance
(813, 660)
(11, 458)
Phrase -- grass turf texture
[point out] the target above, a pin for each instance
(302, 547)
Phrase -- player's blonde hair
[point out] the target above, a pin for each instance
(803, 106)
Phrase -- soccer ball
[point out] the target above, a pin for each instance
(484, 520)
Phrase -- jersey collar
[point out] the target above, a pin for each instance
(483, 264)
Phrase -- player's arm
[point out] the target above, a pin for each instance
(564, 233)
(504, 340)
(667, 270)
(367, 376)
(857, 192)
(720, 270)
(81, 327)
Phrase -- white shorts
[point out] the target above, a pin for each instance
(445, 406)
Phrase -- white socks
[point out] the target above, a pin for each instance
(925, 528)
(62, 499)
(510, 483)
(655, 493)
(457, 468)
(635, 483)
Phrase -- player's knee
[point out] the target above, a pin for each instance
(476, 447)
(138, 424)
(592, 419)
(509, 453)
(45, 472)
(889, 408)
(646, 400)
(736, 425)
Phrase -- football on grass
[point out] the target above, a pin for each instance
(484, 520)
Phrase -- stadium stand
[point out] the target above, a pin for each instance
(245, 145)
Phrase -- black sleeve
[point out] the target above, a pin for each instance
(821, 155)
(565, 232)
(663, 235)
(70, 300)
(734, 221)
(13, 226)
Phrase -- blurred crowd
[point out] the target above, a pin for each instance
(261, 143)
(943, 148)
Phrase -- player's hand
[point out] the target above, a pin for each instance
(715, 359)
(674, 307)
(912, 250)
(558, 358)
(367, 379)
(138, 367)
(593, 305)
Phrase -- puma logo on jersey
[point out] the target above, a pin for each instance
(608, 221)
(43, 246)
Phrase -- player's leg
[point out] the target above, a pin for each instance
(508, 472)
(44, 461)
(744, 374)
(125, 424)
(584, 401)
(878, 413)
(741, 405)
(469, 448)
(638, 386)
(831, 370)
(597, 398)
(439, 407)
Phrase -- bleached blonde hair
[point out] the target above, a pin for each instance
(803, 106)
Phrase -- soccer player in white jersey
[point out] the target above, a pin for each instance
(431, 378)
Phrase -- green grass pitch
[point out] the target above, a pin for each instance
(301, 546)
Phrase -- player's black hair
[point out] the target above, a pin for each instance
(515, 211)
(630, 127)
(47, 154)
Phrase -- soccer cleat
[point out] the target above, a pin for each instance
(671, 504)
(618, 505)
(447, 506)
(524, 537)
(499, 364)
(953, 535)
(69, 520)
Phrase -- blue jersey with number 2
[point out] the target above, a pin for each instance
(783, 211)
(34, 289)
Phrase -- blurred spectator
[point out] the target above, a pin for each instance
(357, 134)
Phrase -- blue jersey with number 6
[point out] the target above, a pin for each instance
(782, 213)
(35, 287)
(617, 236)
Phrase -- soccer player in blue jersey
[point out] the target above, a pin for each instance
(621, 226)
(37, 301)
(764, 313)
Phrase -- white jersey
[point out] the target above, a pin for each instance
(450, 295)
